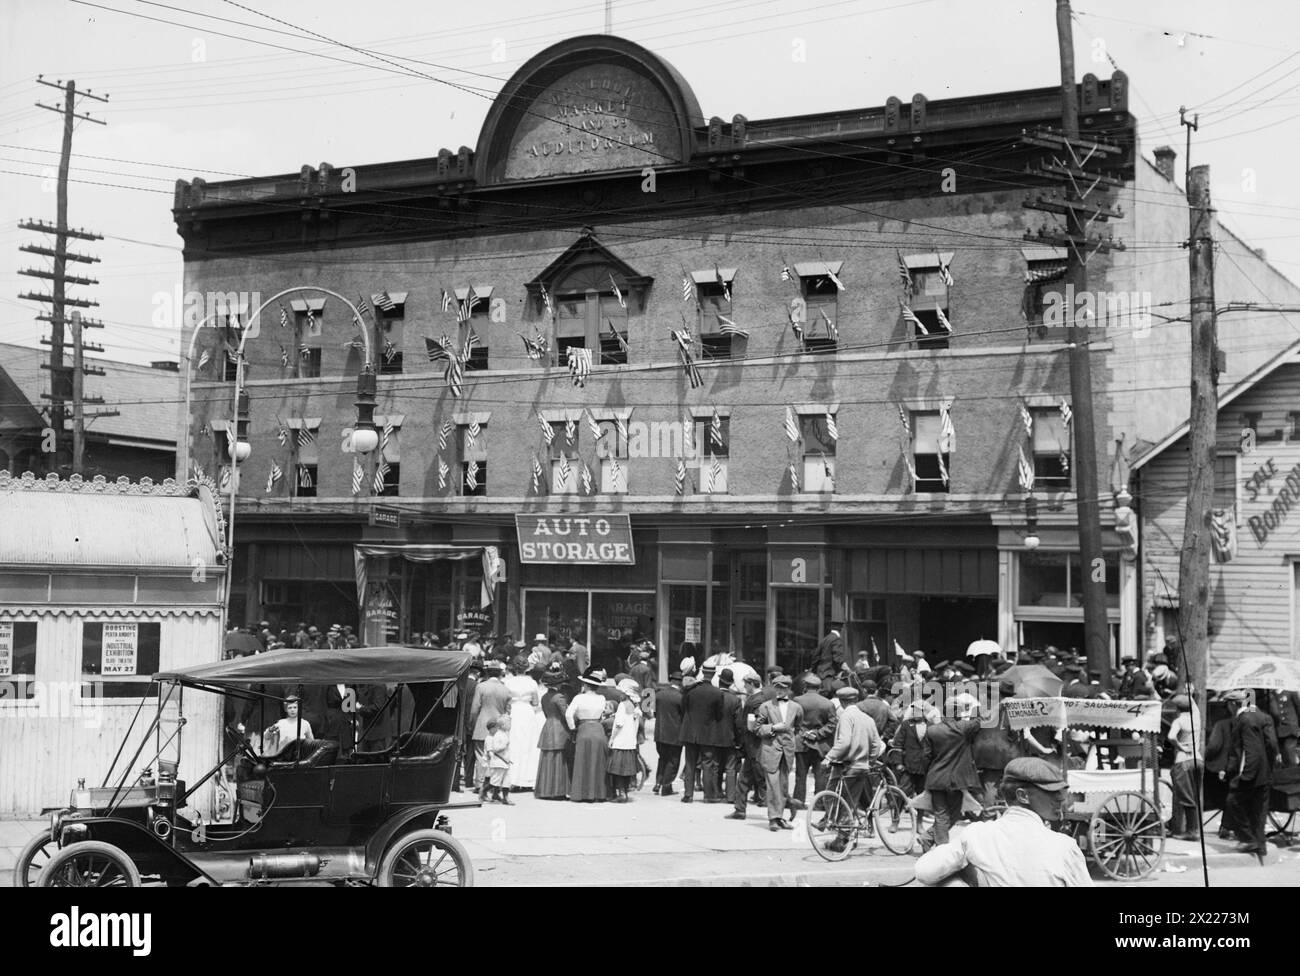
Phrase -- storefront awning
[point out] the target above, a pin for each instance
(412, 552)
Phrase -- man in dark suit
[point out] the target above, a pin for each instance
(1285, 709)
(779, 722)
(491, 701)
(466, 764)
(701, 720)
(668, 729)
(814, 740)
(748, 746)
(831, 658)
(1252, 752)
(731, 757)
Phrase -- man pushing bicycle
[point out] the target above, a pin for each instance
(857, 743)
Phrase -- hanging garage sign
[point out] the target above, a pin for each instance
(575, 539)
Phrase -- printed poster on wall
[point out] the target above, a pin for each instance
(121, 642)
(693, 630)
(6, 649)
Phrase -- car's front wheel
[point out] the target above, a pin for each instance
(89, 864)
(426, 859)
(33, 858)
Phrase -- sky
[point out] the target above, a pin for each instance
(221, 89)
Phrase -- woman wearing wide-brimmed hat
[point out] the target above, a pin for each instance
(554, 769)
(622, 765)
(591, 752)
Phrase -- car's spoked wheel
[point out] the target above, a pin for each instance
(426, 859)
(832, 830)
(32, 860)
(894, 820)
(89, 864)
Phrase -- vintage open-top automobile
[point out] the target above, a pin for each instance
(309, 812)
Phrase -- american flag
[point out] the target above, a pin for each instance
(381, 473)
(203, 360)
(471, 433)
(446, 301)
(565, 470)
(363, 306)
(785, 272)
(1027, 419)
(835, 279)
(1026, 472)
(455, 376)
(304, 476)
(284, 317)
(535, 347)
(679, 482)
(831, 331)
(945, 272)
(826, 465)
(946, 433)
(546, 300)
(224, 480)
(910, 316)
(232, 355)
(907, 425)
(688, 287)
(943, 470)
(727, 327)
(795, 325)
(715, 428)
(621, 422)
(832, 429)
(579, 364)
(471, 340)
(358, 476)
(615, 473)
(271, 479)
(390, 351)
(384, 438)
(305, 435)
(791, 424)
(726, 288)
(571, 431)
(548, 432)
(443, 433)
(618, 337)
(593, 425)
(282, 435)
(1067, 415)
(311, 320)
(586, 479)
(442, 474)
(471, 475)
(1065, 460)
(466, 310)
(682, 337)
(909, 464)
(714, 481)
(617, 294)
(284, 356)
(385, 301)
(794, 476)
(688, 432)
(943, 319)
(537, 474)
(904, 274)
(304, 351)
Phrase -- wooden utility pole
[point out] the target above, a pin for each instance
(79, 399)
(63, 380)
(1194, 558)
(1073, 155)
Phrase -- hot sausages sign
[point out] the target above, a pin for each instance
(575, 539)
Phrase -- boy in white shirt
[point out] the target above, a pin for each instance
(497, 748)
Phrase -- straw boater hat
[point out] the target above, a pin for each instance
(631, 689)
(593, 676)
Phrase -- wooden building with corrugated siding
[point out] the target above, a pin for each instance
(1255, 578)
(102, 585)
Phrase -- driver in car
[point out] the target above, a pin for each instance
(280, 734)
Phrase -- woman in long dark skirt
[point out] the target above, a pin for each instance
(591, 751)
(555, 767)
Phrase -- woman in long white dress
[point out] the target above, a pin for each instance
(525, 726)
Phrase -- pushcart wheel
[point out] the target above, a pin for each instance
(1126, 836)
(831, 825)
(895, 820)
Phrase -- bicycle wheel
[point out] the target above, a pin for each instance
(894, 820)
(832, 830)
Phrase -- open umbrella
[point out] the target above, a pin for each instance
(1033, 681)
(982, 647)
(243, 643)
(1260, 671)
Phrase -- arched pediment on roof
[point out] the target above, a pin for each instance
(588, 265)
(585, 105)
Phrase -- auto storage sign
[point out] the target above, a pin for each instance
(575, 539)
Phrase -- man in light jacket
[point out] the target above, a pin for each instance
(857, 742)
(779, 722)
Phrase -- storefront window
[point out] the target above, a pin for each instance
(753, 577)
(796, 628)
(618, 620)
(720, 628)
(557, 614)
(685, 622)
(1055, 579)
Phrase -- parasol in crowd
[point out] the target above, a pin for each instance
(242, 643)
(1032, 681)
(1261, 671)
(983, 647)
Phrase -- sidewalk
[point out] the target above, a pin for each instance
(660, 841)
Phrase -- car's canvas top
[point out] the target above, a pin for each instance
(364, 665)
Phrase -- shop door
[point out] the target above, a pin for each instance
(750, 633)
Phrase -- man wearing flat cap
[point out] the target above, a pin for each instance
(857, 743)
(813, 741)
(1019, 849)
(779, 722)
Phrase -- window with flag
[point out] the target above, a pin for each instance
(309, 360)
(927, 310)
(474, 303)
(304, 435)
(389, 342)
(1044, 274)
(931, 464)
(231, 373)
(309, 328)
(222, 436)
(611, 452)
(817, 430)
(473, 458)
(1051, 449)
(387, 477)
(571, 315)
(390, 306)
(712, 454)
(820, 285)
(563, 451)
(715, 316)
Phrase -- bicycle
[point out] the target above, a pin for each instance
(834, 827)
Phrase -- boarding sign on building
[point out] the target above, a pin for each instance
(579, 540)
(121, 644)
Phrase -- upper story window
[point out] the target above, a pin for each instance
(1051, 449)
(473, 458)
(930, 452)
(816, 432)
(928, 309)
(712, 450)
(388, 456)
(473, 303)
(820, 285)
(389, 306)
(302, 434)
(1045, 269)
(611, 452)
(591, 312)
(563, 452)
